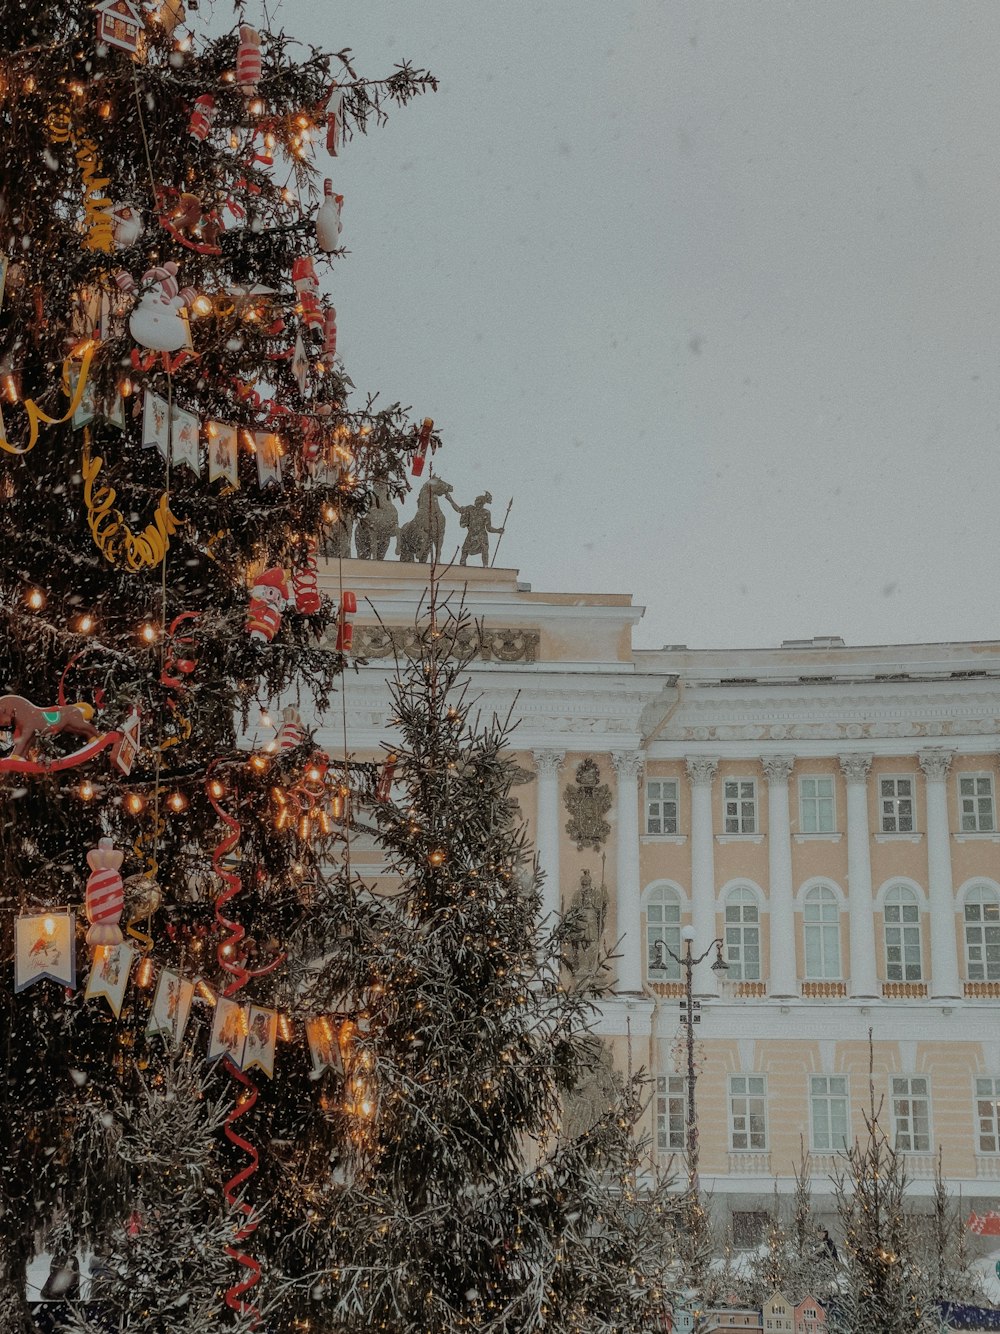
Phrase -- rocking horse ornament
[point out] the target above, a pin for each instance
(28, 725)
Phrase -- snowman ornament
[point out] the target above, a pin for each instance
(159, 319)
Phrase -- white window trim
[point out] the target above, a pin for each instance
(819, 883)
(668, 1151)
(991, 1155)
(819, 833)
(747, 1074)
(977, 773)
(754, 833)
(896, 833)
(821, 1074)
(677, 837)
(900, 1074)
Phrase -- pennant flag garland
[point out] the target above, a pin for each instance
(44, 948)
(171, 1006)
(109, 975)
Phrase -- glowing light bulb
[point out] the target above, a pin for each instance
(201, 305)
(36, 599)
(85, 624)
(148, 632)
(177, 801)
(134, 804)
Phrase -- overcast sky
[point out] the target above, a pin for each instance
(711, 287)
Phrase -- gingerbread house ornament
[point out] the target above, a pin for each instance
(119, 23)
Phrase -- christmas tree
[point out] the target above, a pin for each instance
(176, 440)
(487, 1172)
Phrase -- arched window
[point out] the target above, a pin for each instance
(982, 934)
(821, 916)
(903, 950)
(663, 922)
(743, 936)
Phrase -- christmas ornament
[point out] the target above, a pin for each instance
(423, 440)
(300, 364)
(330, 332)
(202, 115)
(345, 630)
(159, 319)
(43, 948)
(291, 733)
(126, 748)
(383, 788)
(222, 453)
(28, 723)
(328, 224)
(305, 581)
(119, 23)
(334, 120)
(105, 894)
(184, 216)
(248, 62)
(171, 1006)
(126, 225)
(306, 284)
(268, 595)
(109, 974)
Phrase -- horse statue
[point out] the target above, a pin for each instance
(376, 529)
(27, 722)
(423, 536)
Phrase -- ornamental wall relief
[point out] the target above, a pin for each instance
(588, 800)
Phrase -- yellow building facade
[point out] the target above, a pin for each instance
(828, 812)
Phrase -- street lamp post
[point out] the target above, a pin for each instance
(688, 962)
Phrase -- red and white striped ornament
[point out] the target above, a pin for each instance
(105, 894)
(291, 733)
(202, 115)
(305, 581)
(248, 62)
(423, 441)
(306, 284)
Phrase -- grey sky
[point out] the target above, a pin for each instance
(710, 286)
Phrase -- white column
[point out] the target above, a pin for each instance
(945, 981)
(864, 974)
(701, 770)
(548, 764)
(781, 901)
(628, 767)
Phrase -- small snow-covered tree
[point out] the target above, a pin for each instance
(796, 1260)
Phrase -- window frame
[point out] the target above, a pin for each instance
(672, 971)
(910, 1097)
(826, 929)
(895, 779)
(994, 1098)
(747, 1095)
(740, 799)
(985, 964)
(902, 927)
(829, 1097)
(659, 802)
(663, 1115)
(816, 798)
(737, 967)
(975, 777)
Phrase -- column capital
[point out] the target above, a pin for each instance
(855, 767)
(628, 763)
(936, 763)
(778, 767)
(548, 761)
(701, 769)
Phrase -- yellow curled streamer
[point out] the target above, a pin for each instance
(112, 536)
(35, 414)
(152, 866)
(96, 205)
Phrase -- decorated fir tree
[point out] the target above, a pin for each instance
(467, 1191)
(798, 1256)
(177, 439)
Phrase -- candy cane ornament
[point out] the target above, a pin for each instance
(202, 115)
(248, 62)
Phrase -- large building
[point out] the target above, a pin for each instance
(827, 812)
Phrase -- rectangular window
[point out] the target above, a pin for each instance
(896, 804)
(669, 1113)
(988, 1115)
(911, 1113)
(975, 796)
(661, 806)
(816, 809)
(747, 1112)
(740, 796)
(830, 1112)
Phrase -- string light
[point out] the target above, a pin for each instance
(177, 801)
(134, 803)
(35, 599)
